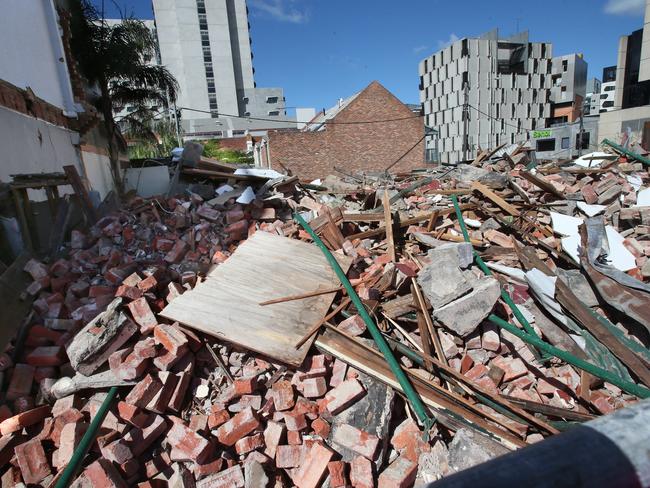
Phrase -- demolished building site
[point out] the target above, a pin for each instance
(389, 329)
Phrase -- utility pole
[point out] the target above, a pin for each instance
(580, 137)
(465, 120)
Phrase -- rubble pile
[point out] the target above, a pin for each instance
(558, 250)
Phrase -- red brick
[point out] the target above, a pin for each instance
(283, 395)
(142, 314)
(144, 391)
(343, 396)
(160, 400)
(207, 468)
(21, 382)
(294, 438)
(232, 477)
(272, 437)
(36, 269)
(132, 414)
(139, 439)
(249, 443)
(218, 416)
(199, 423)
(118, 452)
(129, 292)
(337, 474)
(321, 427)
(289, 456)
(512, 367)
(295, 421)
(177, 252)
(148, 284)
(237, 427)
(178, 397)
(339, 370)
(353, 325)
(314, 387)
(47, 356)
(400, 474)
(407, 440)
(100, 290)
(245, 386)
(102, 473)
(466, 363)
(24, 419)
(313, 468)
(172, 339)
(32, 461)
(190, 445)
(357, 440)
(361, 473)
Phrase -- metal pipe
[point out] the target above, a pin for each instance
(73, 466)
(407, 387)
(601, 373)
(627, 152)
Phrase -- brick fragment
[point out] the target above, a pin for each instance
(272, 437)
(313, 469)
(343, 396)
(139, 439)
(142, 314)
(32, 461)
(295, 421)
(321, 427)
(21, 382)
(339, 370)
(314, 387)
(356, 440)
(24, 419)
(237, 427)
(245, 386)
(218, 416)
(283, 395)
(132, 414)
(407, 440)
(361, 474)
(189, 444)
(160, 400)
(399, 474)
(337, 474)
(289, 456)
(172, 339)
(47, 356)
(177, 252)
(102, 473)
(249, 443)
(144, 391)
(353, 325)
(36, 269)
(232, 477)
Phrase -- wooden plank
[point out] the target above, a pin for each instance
(302, 296)
(541, 183)
(451, 414)
(80, 190)
(489, 194)
(363, 217)
(227, 304)
(388, 218)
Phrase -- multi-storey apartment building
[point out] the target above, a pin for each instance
(481, 92)
(592, 98)
(568, 90)
(206, 45)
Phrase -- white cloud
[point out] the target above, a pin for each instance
(420, 49)
(281, 10)
(625, 7)
(452, 38)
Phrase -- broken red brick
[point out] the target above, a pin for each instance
(321, 427)
(190, 445)
(172, 339)
(177, 252)
(245, 386)
(272, 437)
(232, 477)
(295, 421)
(249, 443)
(237, 427)
(343, 396)
(47, 356)
(289, 456)
(314, 387)
(142, 314)
(24, 419)
(313, 469)
(357, 440)
(399, 474)
(21, 382)
(337, 474)
(407, 440)
(361, 474)
(102, 473)
(144, 391)
(283, 395)
(353, 325)
(32, 461)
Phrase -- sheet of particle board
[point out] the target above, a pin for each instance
(265, 266)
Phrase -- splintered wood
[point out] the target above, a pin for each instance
(227, 304)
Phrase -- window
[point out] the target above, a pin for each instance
(585, 140)
(565, 65)
(603, 96)
(271, 99)
(238, 132)
(245, 99)
(546, 145)
(203, 18)
(247, 114)
(274, 112)
(565, 143)
(610, 88)
(608, 103)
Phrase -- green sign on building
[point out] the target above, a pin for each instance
(539, 134)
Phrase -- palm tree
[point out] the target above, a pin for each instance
(116, 60)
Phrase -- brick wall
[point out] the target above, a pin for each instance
(354, 148)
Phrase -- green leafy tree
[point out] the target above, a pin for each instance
(115, 59)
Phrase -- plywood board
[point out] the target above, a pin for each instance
(265, 266)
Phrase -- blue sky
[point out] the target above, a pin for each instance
(320, 50)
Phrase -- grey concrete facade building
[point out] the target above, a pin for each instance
(592, 98)
(478, 93)
(569, 75)
(206, 45)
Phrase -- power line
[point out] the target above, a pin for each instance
(408, 151)
(324, 122)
